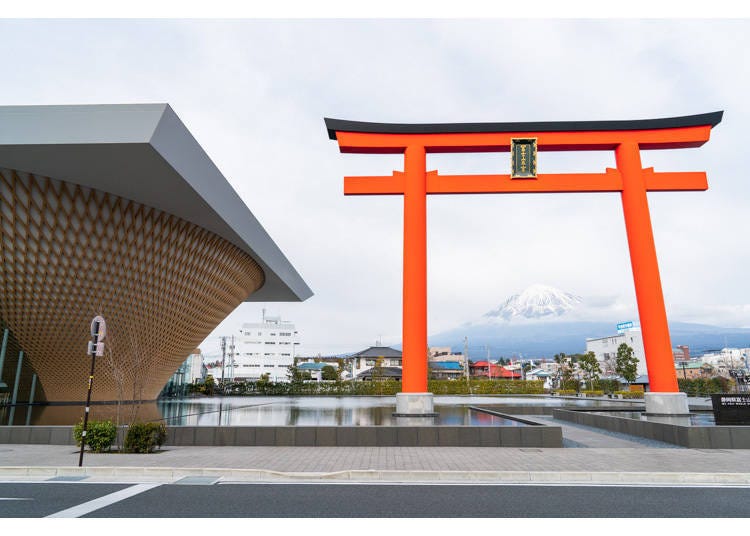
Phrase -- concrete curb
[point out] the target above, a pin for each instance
(172, 474)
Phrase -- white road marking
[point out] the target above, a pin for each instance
(486, 483)
(16, 499)
(101, 502)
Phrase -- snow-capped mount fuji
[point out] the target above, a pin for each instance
(542, 321)
(536, 301)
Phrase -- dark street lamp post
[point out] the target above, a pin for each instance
(95, 349)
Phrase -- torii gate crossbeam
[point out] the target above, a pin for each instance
(625, 138)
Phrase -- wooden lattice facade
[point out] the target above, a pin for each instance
(69, 252)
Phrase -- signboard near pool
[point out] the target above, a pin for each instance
(731, 408)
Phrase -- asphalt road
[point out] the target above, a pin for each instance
(366, 500)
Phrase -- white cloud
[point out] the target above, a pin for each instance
(254, 93)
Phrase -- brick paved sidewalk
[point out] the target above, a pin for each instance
(601, 457)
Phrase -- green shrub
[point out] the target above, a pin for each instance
(389, 387)
(704, 386)
(485, 387)
(100, 435)
(608, 386)
(570, 385)
(629, 394)
(144, 437)
(592, 393)
(565, 392)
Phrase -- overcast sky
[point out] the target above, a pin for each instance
(254, 94)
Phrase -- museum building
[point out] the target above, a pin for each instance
(116, 210)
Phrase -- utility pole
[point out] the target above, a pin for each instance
(223, 359)
(466, 363)
(231, 361)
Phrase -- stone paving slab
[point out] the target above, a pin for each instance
(370, 464)
(213, 476)
(606, 458)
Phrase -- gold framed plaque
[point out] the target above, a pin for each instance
(523, 158)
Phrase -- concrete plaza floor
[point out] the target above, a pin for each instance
(589, 456)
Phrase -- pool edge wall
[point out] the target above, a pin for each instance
(319, 436)
(694, 437)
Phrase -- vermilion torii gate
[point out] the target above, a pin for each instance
(625, 138)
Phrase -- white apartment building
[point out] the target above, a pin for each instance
(727, 358)
(266, 347)
(605, 349)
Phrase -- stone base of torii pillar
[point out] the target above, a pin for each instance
(414, 405)
(667, 408)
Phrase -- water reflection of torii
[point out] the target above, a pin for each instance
(625, 138)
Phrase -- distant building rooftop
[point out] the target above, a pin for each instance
(381, 373)
(378, 351)
(446, 365)
(313, 366)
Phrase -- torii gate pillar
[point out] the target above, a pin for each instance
(414, 398)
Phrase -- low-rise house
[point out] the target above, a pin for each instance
(446, 370)
(368, 358)
(539, 374)
(381, 374)
(315, 369)
(486, 369)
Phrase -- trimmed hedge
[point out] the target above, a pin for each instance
(629, 394)
(486, 387)
(704, 386)
(145, 437)
(100, 435)
(386, 387)
(608, 386)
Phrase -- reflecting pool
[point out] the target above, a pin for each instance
(312, 411)
(287, 411)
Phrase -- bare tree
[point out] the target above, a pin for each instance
(118, 376)
(140, 367)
